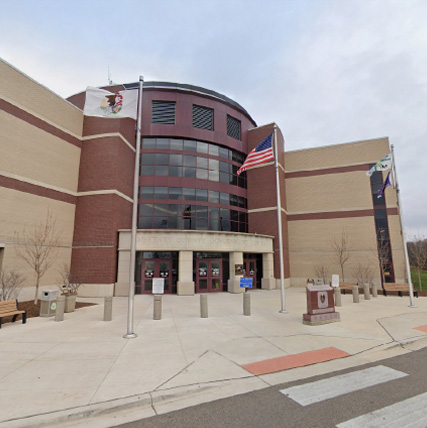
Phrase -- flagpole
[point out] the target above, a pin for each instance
(405, 247)
(130, 333)
(279, 222)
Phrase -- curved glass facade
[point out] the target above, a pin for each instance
(196, 207)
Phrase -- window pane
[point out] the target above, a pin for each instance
(213, 150)
(149, 143)
(213, 175)
(202, 174)
(224, 177)
(224, 198)
(202, 224)
(148, 159)
(160, 222)
(190, 146)
(145, 222)
(175, 193)
(175, 171)
(147, 171)
(380, 213)
(202, 195)
(162, 159)
(189, 172)
(224, 153)
(224, 225)
(224, 214)
(175, 210)
(189, 194)
(176, 160)
(234, 226)
(146, 192)
(145, 209)
(160, 192)
(163, 143)
(213, 197)
(202, 163)
(162, 171)
(161, 209)
(213, 212)
(233, 200)
(224, 167)
(202, 147)
(213, 165)
(176, 144)
(189, 160)
(202, 211)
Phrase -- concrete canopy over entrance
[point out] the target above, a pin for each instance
(189, 241)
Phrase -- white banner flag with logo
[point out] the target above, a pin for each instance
(108, 104)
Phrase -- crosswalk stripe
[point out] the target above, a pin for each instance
(324, 389)
(408, 413)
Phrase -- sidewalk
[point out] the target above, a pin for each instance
(55, 373)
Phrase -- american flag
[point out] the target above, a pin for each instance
(263, 152)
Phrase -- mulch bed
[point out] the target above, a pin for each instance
(34, 310)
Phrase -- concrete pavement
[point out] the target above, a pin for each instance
(82, 372)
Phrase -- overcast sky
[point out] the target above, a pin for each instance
(327, 71)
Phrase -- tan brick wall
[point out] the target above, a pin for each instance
(34, 154)
(19, 210)
(330, 192)
(367, 151)
(35, 98)
(310, 243)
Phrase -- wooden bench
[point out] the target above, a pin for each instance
(347, 286)
(10, 308)
(400, 288)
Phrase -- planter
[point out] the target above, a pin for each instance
(70, 304)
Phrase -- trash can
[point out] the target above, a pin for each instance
(48, 303)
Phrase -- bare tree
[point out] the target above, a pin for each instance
(340, 248)
(363, 274)
(70, 282)
(383, 253)
(418, 256)
(11, 283)
(38, 247)
(321, 271)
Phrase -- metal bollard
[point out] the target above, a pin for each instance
(366, 292)
(60, 307)
(355, 294)
(108, 308)
(337, 295)
(157, 307)
(203, 305)
(246, 304)
(374, 290)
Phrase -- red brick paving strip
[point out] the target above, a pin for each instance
(422, 328)
(296, 360)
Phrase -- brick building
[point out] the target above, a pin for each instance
(196, 219)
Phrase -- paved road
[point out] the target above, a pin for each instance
(389, 393)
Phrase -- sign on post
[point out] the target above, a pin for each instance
(158, 285)
(335, 281)
(246, 282)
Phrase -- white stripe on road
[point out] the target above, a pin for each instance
(325, 389)
(409, 413)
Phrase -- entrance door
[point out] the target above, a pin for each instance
(156, 268)
(208, 275)
(250, 270)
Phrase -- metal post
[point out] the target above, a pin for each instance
(130, 333)
(279, 222)
(405, 248)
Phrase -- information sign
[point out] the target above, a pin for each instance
(335, 281)
(158, 285)
(245, 282)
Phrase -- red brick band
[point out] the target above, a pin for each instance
(337, 170)
(38, 123)
(331, 215)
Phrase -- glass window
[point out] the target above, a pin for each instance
(162, 171)
(175, 193)
(161, 193)
(224, 153)
(146, 192)
(234, 200)
(176, 144)
(213, 197)
(163, 143)
(202, 211)
(378, 213)
(224, 198)
(201, 195)
(234, 215)
(147, 171)
(202, 147)
(224, 167)
(381, 223)
(377, 177)
(213, 165)
(175, 210)
(202, 174)
(224, 225)
(224, 177)
(213, 150)
(145, 222)
(189, 172)
(173, 223)
(176, 160)
(160, 209)
(214, 212)
(189, 194)
(162, 159)
(213, 175)
(175, 171)
(202, 224)
(241, 202)
(149, 143)
(202, 163)
(145, 209)
(148, 159)
(160, 222)
(190, 146)
(224, 214)
(189, 160)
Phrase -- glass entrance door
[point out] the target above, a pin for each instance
(250, 271)
(208, 275)
(155, 268)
